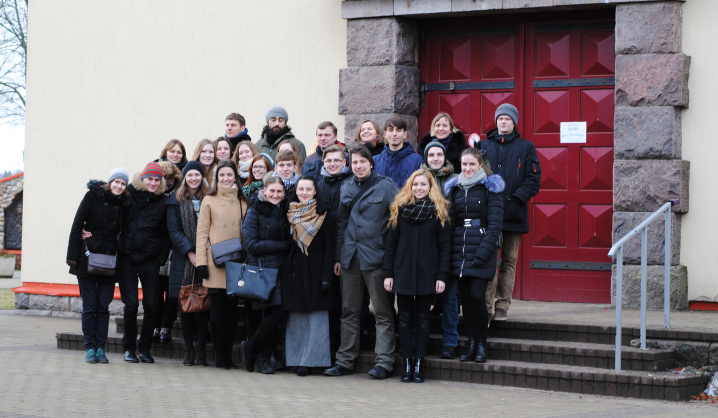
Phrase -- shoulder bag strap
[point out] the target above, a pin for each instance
(370, 182)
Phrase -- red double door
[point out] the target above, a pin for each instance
(553, 72)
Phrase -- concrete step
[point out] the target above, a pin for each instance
(542, 376)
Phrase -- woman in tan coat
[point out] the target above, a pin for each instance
(220, 219)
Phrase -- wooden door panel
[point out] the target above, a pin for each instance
(554, 167)
(455, 60)
(597, 168)
(595, 226)
(497, 57)
(552, 55)
(598, 55)
(550, 109)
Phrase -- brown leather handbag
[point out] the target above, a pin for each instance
(195, 297)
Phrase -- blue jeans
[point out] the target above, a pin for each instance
(96, 298)
(450, 316)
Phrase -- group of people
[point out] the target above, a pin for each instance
(410, 229)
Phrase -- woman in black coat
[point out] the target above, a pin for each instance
(306, 277)
(182, 215)
(444, 131)
(267, 239)
(416, 262)
(369, 134)
(100, 212)
(477, 215)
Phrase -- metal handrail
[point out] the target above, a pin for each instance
(617, 251)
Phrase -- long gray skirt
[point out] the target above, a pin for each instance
(308, 339)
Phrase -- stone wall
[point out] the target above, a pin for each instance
(651, 89)
(60, 306)
(8, 190)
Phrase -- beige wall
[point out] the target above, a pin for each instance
(699, 244)
(110, 82)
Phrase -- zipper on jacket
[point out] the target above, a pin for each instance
(463, 249)
(518, 169)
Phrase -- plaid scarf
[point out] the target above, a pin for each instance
(305, 223)
(288, 184)
(419, 212)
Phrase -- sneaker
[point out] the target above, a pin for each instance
(90, 357)
(500, 315)
(131, 357)
(101, 357)
(156, 334)
(338, 370)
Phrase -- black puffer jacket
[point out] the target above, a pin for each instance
(181, 245)
(302, 275)
(144, 234)
(266, 236)
(473, 248)
(516, 161)
(456, 146)
(102, 212)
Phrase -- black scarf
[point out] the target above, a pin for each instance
(189, 226)
(419, 212)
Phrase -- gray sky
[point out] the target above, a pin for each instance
(12, 143)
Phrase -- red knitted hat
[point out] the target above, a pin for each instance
(152, 170)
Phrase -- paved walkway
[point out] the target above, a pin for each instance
(40, 380)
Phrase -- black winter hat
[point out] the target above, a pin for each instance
(193, 165)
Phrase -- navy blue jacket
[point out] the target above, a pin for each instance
(516, 161)
(398, 165)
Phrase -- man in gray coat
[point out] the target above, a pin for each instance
(364, 202)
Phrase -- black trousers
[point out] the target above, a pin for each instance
(476, 316)
(166, 306)
(335, 312)
(268, 331)
(223, 319)
(96, 298)
(148, 274)
(411, 307)
(188, 321)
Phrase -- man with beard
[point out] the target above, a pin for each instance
(235, 129)
(276, 131)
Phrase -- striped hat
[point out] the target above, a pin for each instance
(152, 170)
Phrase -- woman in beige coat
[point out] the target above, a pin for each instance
(220, 219)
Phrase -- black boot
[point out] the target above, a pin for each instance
(470, 352)
(406, 377)
(220, 360)
(247, 355)
(188, 357)
(482, 351)
(417, 372)
(263, 364)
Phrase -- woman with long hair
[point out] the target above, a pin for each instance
(306, 276)
(205, 153)
(183, 207)
(221, 218)
(242, 158)
(476, 213)
(260, 165)
(175, 153)
(369, 134)
(101, 212)
(266, 233)
(449, 135)
(222, 149)
(416, 262)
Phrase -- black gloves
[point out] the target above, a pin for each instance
(202, 272)
(326, 288)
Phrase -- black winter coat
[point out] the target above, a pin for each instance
(473, 248)
(453, 150)
(417, 255)
(102, 212)
(328, 190)
(266, 236)
(181, 245)
(144, 229)
(302, 275)
(516, 161)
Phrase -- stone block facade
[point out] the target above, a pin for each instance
(651, 89)
(382, 79)
(61, 306)
(9, 189)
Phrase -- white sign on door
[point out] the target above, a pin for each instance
(573, 132)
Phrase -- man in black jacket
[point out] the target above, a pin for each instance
(326, 137)
(144, 246)
(235, 129)
(515, 159)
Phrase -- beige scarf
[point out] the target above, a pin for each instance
(305, 222)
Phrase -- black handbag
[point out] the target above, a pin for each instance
(250, 282)
(229, 250)
(103, 264)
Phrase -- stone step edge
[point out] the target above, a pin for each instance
(560, 378)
